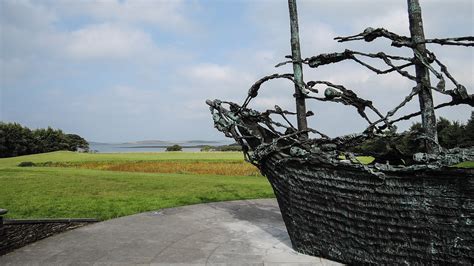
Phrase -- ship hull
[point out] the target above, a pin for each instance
(352, 216)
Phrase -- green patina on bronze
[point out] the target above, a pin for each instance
(401, 208)
(297, 69)
(428, 117)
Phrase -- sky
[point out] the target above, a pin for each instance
(128, 70)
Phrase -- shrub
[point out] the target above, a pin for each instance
(26, 164)
(232, 147)
(174, 148)
(206, 148)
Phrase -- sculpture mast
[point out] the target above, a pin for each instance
(297, 69)
(428, 117)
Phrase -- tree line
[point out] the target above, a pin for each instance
(16, 140)
(451, 134)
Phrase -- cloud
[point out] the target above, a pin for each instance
(26, 29)
(121, 101)
(317, 38)
(108, 41)
(155, 12)
(215, 80)
(24, 14)
(211, 72)
(394, 20)
(139, 68)
(168, 15)
(263, 103)
(204, 81)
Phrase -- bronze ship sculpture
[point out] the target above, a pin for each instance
(414, 209)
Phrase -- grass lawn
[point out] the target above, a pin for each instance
(465, 165)
(106, 186)
(60, 192)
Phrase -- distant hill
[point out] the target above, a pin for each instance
(148, 142)
(202, 141)
(97, 143)
(157, 142)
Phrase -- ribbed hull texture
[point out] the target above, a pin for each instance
(354, 217)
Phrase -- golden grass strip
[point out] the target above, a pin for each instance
(178, 167)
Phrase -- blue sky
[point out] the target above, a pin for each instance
(131, 70)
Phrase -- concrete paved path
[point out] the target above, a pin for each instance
(236, 232)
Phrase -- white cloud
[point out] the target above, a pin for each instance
(211, 72)
(118, 101)
(263, 103)
(211, 81)
(350, 74)
(167, 14)
(25, 14)
(264, 55)
(215, 80)
(47, 44)
(394, 20)
(26, 30)
(317, 38)
(108, 41)
(194, 109)
(11, 70)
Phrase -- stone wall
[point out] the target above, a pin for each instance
(2, 230)
(18, 233)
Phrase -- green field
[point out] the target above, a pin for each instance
(106, 186)
(465, 165)
(60, 192)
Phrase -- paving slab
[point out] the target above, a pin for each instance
(248, 232)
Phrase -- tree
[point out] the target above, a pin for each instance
(468, 136)
(76, 142)
(404, 145)
(51, 140)
(175, 147)
(16, 140)
(206, 148)
(450, 134)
